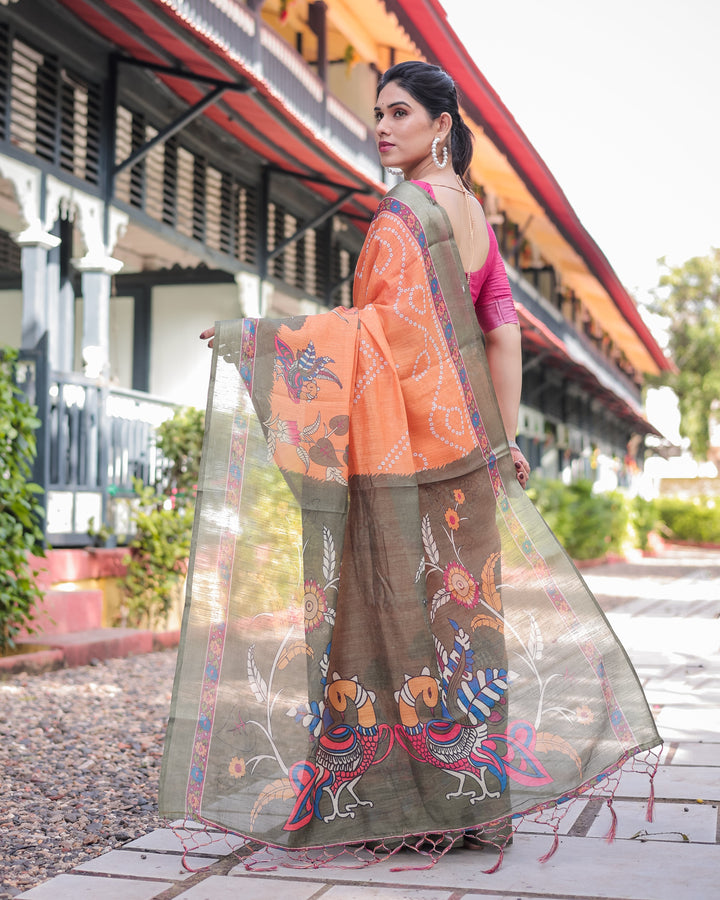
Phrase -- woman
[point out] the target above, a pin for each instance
(420, 132)
(343, 677)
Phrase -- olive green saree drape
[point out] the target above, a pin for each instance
(382, 638)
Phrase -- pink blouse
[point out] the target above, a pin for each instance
(489, 285)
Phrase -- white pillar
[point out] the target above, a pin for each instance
(35, 243)
(96, 280)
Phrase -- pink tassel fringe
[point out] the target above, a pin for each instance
(610, 836)
(553, 848)
(651, 801)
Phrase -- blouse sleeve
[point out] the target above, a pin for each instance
(494, 305)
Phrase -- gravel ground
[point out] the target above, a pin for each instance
(80, 753)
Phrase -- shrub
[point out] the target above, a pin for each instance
(181, 440)
(690, 520)
(644, 518)
(21, 511)
(588, 525)
(158, 557)
(163, 522)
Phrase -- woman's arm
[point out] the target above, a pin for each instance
(504, 356)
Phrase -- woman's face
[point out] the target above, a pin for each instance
(404, 131)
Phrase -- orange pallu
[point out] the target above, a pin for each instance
(382, 638)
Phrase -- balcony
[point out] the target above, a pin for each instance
(580, 349)
(246, 40)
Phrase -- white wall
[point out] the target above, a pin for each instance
(10, 318)
(179, 360)
(122, 313)
(120, 346)
(355, 89)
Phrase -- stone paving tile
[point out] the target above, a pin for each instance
(678, 660)
(675, 783)
(80, 887)
(194, 840)
(216, 887)
(687, 753)
(144, 865)
(669, 638)
(365, 892)
(681, 692)
(688, 725)
(670, 821)
(580, 869)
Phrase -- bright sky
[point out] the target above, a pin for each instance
(621, 99)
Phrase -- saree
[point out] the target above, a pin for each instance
(382, 641)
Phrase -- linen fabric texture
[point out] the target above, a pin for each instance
(382, 638)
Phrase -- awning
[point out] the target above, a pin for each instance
(261, 120)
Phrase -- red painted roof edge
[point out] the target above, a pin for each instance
(269, 95)
(478, 96)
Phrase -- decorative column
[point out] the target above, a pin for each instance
(96, 270)
(96, 279)
(35, 243)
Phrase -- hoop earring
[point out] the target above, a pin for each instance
(433, 151)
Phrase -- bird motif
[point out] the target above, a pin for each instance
(465, 751)
(301, 371)
(343, 755)
(443, 743)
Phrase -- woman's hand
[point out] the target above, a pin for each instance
(208, 335)
(522, 467)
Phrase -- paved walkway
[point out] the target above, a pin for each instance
(667, 613)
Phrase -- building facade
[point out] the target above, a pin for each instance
(168, 163)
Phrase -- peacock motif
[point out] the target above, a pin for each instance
(466, 752)
(344, 753)
(443, 743)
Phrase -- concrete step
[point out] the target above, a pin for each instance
(80, 648)
(80, 564)
(65, 612)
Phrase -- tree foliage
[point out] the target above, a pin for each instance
(689, 296)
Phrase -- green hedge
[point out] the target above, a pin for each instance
(588, 525)
(591, 525)
(690, 520)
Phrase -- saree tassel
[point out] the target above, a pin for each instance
(610, 836)
(493, 869)
(553, 848)
(649, 815)
(414, 868)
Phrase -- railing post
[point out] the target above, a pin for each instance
(317, 20)
(256, 7)
(103, 433)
